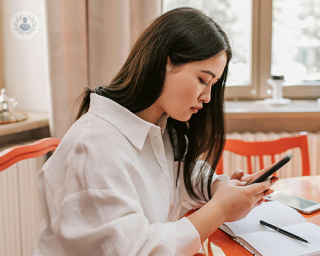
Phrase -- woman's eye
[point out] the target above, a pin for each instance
(215, 82)
(201, 81)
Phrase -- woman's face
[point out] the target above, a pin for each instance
(188, 87)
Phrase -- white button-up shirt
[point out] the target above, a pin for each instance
(109, 189)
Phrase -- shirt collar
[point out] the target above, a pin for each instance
(162, 122)
(130, 125)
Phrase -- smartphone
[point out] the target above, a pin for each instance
(302, 205)
(268, 171)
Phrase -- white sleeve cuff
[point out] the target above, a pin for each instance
(188, 238)
(221, 177)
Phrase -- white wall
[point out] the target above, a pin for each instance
(25, 61)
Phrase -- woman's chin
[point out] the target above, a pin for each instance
(181, 118)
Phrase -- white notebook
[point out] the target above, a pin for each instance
(264, 241)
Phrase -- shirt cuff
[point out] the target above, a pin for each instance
(221, 177)
(188, 238)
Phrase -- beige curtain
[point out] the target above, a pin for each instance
(88, 41)
(1, 48)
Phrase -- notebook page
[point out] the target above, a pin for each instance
(275, 213)
(272, 243)
(309, 232)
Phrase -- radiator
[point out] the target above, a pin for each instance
(233, 162)
(20, 208)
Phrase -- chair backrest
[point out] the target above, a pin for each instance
(15, 154)
(262, 148)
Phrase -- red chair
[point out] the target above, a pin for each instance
(15, 154)
(262, 148)
(20, 203)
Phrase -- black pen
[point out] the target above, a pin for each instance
(283, 231)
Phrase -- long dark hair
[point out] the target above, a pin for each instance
(185, 35)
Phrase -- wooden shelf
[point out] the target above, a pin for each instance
(35, 120)
(256, 116)
(259, 107)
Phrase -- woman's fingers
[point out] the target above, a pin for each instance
(259, 187)
(261, 195)
(268, 192)
(260, 201)
(240, 175)
(238, 182)
(237, 175)
(236, 199)
(274, 179)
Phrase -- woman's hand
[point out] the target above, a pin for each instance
(239, 175)
(236, 200)
(232, 201)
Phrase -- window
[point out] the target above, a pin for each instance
(268, 37)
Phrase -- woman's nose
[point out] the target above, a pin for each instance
(205, 96)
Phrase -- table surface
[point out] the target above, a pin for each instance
(307, 187)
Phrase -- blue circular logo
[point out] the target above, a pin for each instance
(25, 24)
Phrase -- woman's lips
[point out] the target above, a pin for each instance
(194, 110)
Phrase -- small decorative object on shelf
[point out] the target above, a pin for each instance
(7, 112)
(277, 95)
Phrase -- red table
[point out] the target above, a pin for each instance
(307, 187)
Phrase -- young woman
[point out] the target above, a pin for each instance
(144, 145)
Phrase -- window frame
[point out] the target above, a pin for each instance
(302, 90)
(261, 43)
(250, 91)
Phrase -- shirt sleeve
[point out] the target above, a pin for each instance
(190, 203)
(97, 211)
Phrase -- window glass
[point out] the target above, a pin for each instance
(296, 39)
(234, 16)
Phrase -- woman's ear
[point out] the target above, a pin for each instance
(170, 66)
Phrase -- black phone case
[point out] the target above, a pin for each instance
(273, 169)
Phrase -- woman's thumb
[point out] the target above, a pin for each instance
(237, 175)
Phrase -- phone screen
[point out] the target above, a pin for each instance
(293, 201)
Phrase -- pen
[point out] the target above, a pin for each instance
(283, 231)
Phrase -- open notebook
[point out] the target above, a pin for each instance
(267, 242)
